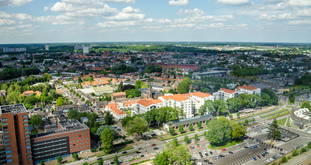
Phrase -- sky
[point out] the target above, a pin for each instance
(50, 21)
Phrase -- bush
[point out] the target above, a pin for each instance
(295, 153)
(304, 149)
(284, 159)
(309, 145)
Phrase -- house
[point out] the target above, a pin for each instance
(29, 93)
(118, 95)
(114, 109)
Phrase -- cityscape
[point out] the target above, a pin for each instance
(170, 82)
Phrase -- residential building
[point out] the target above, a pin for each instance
(224, 94)
(15, 147)
(248, 90)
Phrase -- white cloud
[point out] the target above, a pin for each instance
(128, 13)
(300, 22)
(19, 2)
(299, 2)
(178, 2)
(6, 22)
(304, 12)
(281, 16)
(233, 2)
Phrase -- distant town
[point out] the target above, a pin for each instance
(157, 103)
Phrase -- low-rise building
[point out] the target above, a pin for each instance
(248, 90)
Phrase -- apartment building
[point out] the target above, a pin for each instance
(224, 94)
(15, 135)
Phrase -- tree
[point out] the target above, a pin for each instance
(274, 131)
(191, 127)
(187, 140)
(181, 129)
(219, 131)
(306, 104)
(131, 93)
(137, 126)
(238, 130)
(216, 108)
(74, 114)
(36, 121)
(59, 159)
(199, 125)
(171, 131)
(107, 137)
(75, 156)
(284, 159)
(116, 160)
(175, 142)
(196, 138)
(100, 162)
(138, 84)
(59, 101)
(108, 118)
(309, 145)
(178, 155)
(184, 86)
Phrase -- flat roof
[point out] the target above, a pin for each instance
(16, 108)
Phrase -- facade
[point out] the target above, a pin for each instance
(16, 146)
(224, 94)
(189, 103)
(70, 137)
(248, 90)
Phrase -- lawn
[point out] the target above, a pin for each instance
(229, 144)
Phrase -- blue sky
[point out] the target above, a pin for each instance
(46, 21)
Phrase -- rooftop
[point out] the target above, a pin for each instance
(17, 108)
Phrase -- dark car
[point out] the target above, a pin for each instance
(153, 145)
(230, 152)
(155, 148)
(138, 152)
(124, 152)
(142, 156)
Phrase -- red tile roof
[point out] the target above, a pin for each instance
(251, 88)
(201, 94)
(148, 102)
(115, 108)
(227, 90)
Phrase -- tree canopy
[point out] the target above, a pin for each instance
(174, 154)
(220, 131)
(184, 86)
(107, 136)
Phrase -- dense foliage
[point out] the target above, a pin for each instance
(243, 71)
(184, 86)
(11, 73)
(121, 69)
(174, 154)
(304, 80)
(221, 131)
(14, 92)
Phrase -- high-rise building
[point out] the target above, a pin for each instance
(15, 135)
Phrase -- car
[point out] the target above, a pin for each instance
(206, 154)
(99, 158)
(230, 152)
(124, 152)
(138, 152)
(211, 152)
(222, 156)
(254, 158)
(142, 156)
(155, 148)
(139, 148)
(153, 145)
